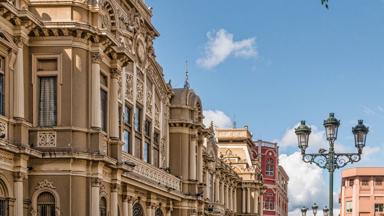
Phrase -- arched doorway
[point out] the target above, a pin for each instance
(46, 205)
(138, 210)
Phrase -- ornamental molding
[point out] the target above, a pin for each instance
(129, 86)
(6, 157)
(140, 91)
(46, 139)
(45, 184)
(4, 129)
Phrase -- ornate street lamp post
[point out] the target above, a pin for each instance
(331, 160)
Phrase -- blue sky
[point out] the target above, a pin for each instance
(290, 60)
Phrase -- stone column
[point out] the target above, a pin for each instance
(256, 200)
(95, 196)
(95, 91)
(243, 201)
(18, 81)
(200, 162)
(235, 200)
(230, 197)
(249, 200)
(217, 189)
(192, 157)
(114, 199)
(149, 209)
(222, 193)
(114, 104)
(18, 190)
(254, 210)
(130, 207)
(125, 206)
(226, 196)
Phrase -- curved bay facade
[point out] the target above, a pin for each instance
(88, 125)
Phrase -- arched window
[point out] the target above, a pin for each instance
(3, 199)
(158, 212)
(103, 207)
(270, 167)
(46, 204)
(138, 210)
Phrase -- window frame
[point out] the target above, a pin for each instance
(270, 168)
(104, 88)
(348, 206)
(3, 73)
(36, 74)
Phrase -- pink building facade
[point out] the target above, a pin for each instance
(275, 198)
(362, 192)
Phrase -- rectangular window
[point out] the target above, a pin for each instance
(146, 152)
(379, 207)
(147, 128)
(156, 138)
(378, 182)
(364, 182)
(127, 141)
(351, 182)
(104, 105)
(348, 206)
(47, 101)
(2, 85)
(137, 119)
(127, 115)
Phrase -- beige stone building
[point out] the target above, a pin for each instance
(237, 149)
(88, 126)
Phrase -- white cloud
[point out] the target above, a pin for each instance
(219, 119)
(303, 190)
(221, 45)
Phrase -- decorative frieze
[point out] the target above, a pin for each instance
(45, 184)
(157, 116)
(6, 157)
(46, 139)
(149, 102)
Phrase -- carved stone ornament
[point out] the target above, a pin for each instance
(129, 87)
(46, 139)
(44, 185)
(140, 51)
(149, 102)
(157, 116)
(4, 129)
(140, 91)
(96, 58)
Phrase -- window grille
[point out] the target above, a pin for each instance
(3, 207)
(138, 210)
(46, 204)
(47, 101)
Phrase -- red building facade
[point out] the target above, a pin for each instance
(275, 198)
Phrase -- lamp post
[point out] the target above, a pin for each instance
(331, 160)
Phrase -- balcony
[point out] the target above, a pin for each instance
(152, 175)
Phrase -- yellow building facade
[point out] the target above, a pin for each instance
(88, 125)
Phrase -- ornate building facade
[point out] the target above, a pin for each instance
(88, 125)
(275, 180)
(237, 150)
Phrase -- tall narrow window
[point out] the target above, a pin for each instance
(147, 128)
(348, 206)
(146, 152)
(47, 101)
(46, 204)
(270, 167)
(156, 138)
(104, 104)
(2, 85)
(3, 207)
(127, 141)
(103, 207)
(138, 112)
(127, 115)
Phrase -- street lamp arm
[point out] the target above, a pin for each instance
(321, 160)
(342, 159)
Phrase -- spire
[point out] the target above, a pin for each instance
(186, 83)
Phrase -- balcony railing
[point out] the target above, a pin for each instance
(153, 175)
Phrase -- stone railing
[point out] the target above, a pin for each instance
(153, 175)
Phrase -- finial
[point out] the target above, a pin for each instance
(186, 83)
